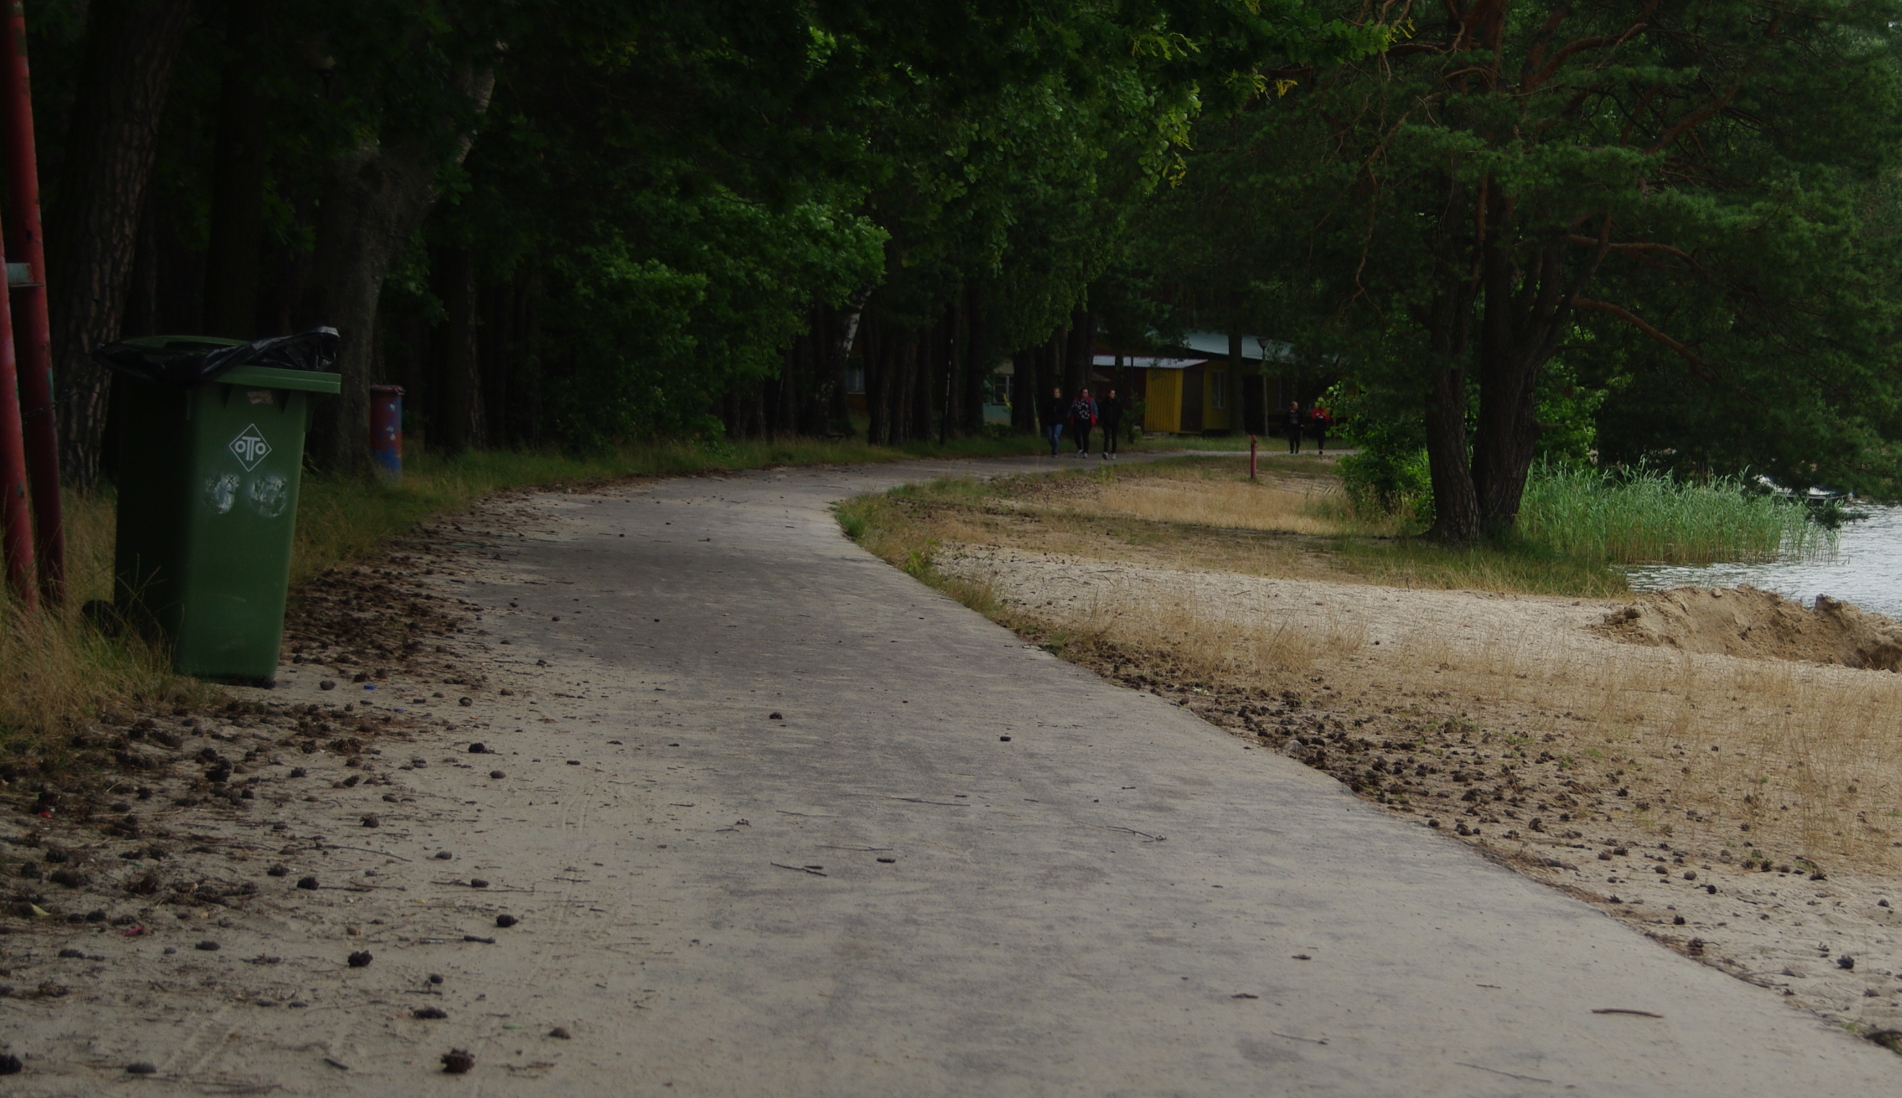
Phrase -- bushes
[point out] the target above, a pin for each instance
(1389, 475)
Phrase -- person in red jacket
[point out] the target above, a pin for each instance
(1083, 421)
(1319, 420)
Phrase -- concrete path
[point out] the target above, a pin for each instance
(959, 866)
(951, 865)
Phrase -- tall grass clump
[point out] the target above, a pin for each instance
(56, 669)
(1646, 516)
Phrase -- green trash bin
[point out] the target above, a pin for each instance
(208, 478)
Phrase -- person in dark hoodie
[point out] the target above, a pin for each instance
(1295, 427)
(1083, 421)
(1054, 412)
(1110, 411)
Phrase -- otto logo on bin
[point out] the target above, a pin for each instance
(249, 447)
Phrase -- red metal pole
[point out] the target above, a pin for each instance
(32, 335)
(16, 535)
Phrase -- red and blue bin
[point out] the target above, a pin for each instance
(386, 430)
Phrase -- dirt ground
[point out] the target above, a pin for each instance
(184, 862)
(1712, 768)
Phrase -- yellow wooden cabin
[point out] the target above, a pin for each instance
(1185, 397)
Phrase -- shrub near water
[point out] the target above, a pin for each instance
(1644, 516)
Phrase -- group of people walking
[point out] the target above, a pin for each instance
(1082, 416)
(1315, 419)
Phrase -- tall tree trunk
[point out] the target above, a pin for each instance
(1524, 319)
(821, 346)
(462, 374)
(374, 201)
(1455, 504)
(232, 258)
(526, 399)
(142, 287)
(1049, 372)
(930, 383)
(1024, 395)
(1082, 351)
(977, 361)
(834, 334)
(91, 231)
(904, 390)
(1449, 324)
(787, 388)
(877, 383)
(949, 361)
(495, 354)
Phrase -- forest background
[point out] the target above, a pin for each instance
(1659, 232)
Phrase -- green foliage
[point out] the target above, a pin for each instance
(1568, 414)
(1687, 215)
(1387, 473)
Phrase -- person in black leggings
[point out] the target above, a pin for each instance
(1110, 411)
(1295, 427)
(1082, 420)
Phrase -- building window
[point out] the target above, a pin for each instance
(1218, 389)
(855, 379)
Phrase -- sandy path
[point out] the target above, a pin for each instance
(1115, 899)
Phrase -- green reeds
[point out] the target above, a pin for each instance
(1645, 516)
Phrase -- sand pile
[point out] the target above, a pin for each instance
(1744, 621)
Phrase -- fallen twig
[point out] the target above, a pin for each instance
(364, 849)
(1626, 1010)
(800, 868)
(1144, 834)
(1507, 1074)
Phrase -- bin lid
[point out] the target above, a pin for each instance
(268, 377)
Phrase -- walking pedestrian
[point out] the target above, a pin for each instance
(1110, 411)
(1082, 421)
(1320, 419)
(1295, 427)
(1054, 410)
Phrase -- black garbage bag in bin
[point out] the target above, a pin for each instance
(194, 360)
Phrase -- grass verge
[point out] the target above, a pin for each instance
(1204, 512)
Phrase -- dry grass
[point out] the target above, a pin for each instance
(1280, 504)
(1796, 761)
(1804, 755)
(56, 670)
(1200, 641)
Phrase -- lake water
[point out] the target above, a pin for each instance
(1866, 568)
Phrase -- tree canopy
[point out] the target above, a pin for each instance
(1656, 231)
